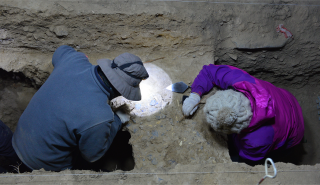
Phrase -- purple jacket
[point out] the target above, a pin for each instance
(277, 120)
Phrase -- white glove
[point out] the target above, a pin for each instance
(123, 116)
(189, 105)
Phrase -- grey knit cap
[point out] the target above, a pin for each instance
(125, 73)
(228, 111)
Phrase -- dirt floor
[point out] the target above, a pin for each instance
(188, 34)
(228, 173)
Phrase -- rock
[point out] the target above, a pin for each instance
(36, 36)
(154, 161)
(5, 42)
(155, 133)
(51, 28)
(137, 106)
(25, 28)
(161, 117)
(171, 122)
(32, 29)
(153, 102)
(48, 33)
(233, 56)
(60, 31)
(124, 37)
(252, 58)
(3, 34)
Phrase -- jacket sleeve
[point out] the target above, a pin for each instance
(254, 153)
(255, 145)
(95, 141)
(223, 76)
(61, 54)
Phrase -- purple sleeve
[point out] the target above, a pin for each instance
(221, 75)
(256, 145)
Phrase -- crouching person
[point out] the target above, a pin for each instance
(70, 116)
(261, 118)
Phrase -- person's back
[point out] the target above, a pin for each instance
(289, 124)
(61, 115)
(276, 121)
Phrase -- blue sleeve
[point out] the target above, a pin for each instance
(61, 53)
(95, 141)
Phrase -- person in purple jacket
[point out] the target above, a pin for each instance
(261, 117)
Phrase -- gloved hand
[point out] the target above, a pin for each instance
(123, 116)
(189, 105)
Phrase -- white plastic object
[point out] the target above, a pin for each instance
(266, 169)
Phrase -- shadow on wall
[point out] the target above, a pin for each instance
(16, 90)
(16, 77)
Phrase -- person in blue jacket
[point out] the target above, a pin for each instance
(70, 115)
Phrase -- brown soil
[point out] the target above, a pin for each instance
(189, 35)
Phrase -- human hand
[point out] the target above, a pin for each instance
(190, 104)
(124, 117)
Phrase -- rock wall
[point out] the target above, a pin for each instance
(188, 35)
(248, 39)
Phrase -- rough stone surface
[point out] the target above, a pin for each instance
(60, 31)
(3, 34)
(189, 35)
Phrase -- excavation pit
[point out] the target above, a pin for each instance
(205, 34)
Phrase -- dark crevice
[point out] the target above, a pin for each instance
(118, 157)
(16, 77)
(259, 49)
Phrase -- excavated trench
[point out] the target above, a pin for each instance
(158, 138)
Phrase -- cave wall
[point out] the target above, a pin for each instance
(188, 35)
